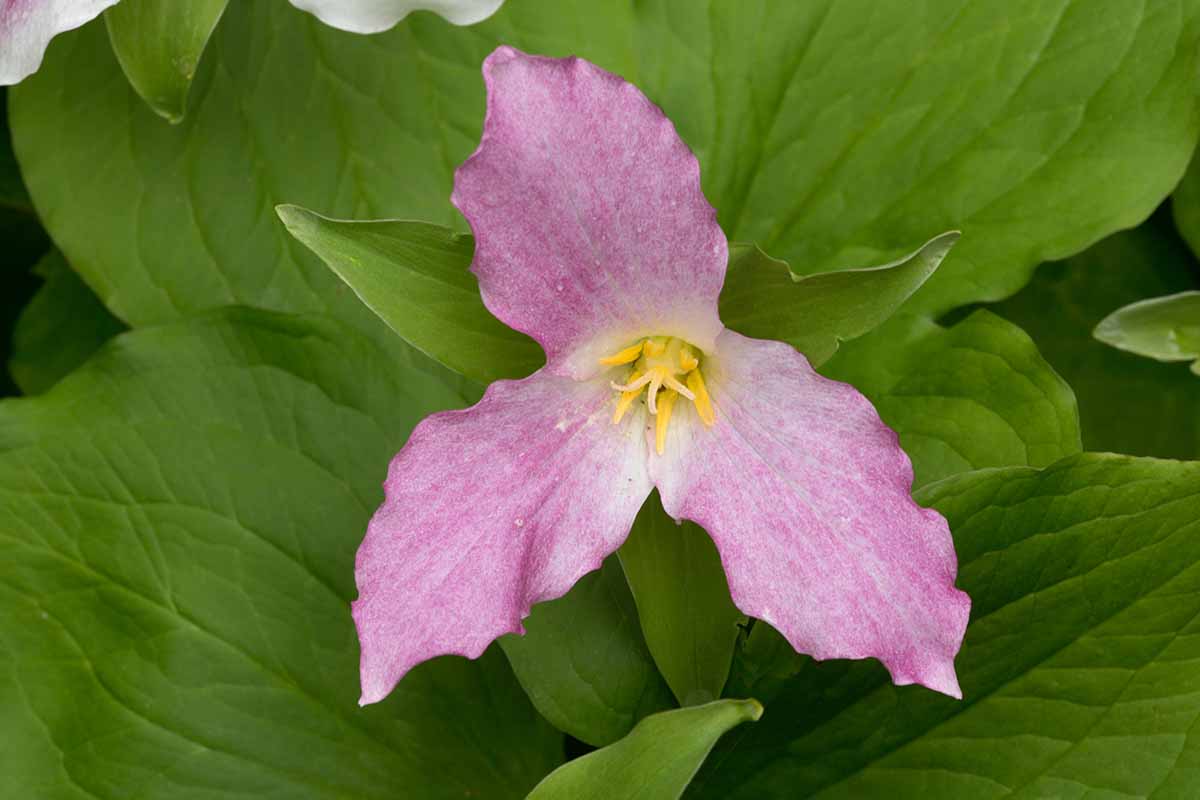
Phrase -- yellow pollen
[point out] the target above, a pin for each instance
(661, 362)
(703, 402)
(687, 361)
(665, 404)
(626, 400)
(626, 356)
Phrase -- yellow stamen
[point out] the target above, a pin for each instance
(665, 404)
(703, 403)
(660, 366)
(687, 360)
(626, 399)
(626, 356)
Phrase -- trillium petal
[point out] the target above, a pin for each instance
(807, 495)
(591, 229)
(27, 26)
(374, 16)
(488, 511)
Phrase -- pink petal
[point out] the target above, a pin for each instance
(27, 26)
(807, 495)
(488, 511)
(591, 229)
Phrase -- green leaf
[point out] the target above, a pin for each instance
(762, 663)
(1080, 670)
(1127, 404)
(765, 299)
(177, 536)
(848, 131)
(415, 277)
(687, 616)
(60, 329)
(583, 661)
(656, 761)
(974, 395)
(1162, 328)
(159, 43)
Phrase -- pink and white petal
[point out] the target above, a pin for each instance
(487, 511)
(27, 26)
(591, 229)
(806, 494)
(375, 16)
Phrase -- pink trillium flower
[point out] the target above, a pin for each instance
(594, 237)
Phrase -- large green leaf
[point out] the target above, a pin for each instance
(844, 132)
(975, 395)
(1127, 404)
(159, 44)
(683, 602)
(63, 325)
(1080, 670)
(178, 532)
(654, 762)
(584, 663)
(1163, 328)
(815, 313)
(414, 276)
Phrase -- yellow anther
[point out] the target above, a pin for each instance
(626, 356)
(687, 361)
(626, 399)
(665, 403)
(703, 403)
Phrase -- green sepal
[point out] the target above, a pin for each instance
(687, 616)
(765, 299)
(414, 276)
(583, 660)
(158, 44)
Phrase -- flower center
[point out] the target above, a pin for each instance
(656, 365)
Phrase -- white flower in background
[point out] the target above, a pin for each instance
(27, 26)
(373, 16)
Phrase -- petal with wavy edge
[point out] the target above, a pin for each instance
(807, 495)
(375, 16)
(487, 511)
(27, 26)
(590, 225)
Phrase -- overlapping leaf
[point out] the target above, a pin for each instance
(60, 328)
(179, 523)
(1127, 404)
